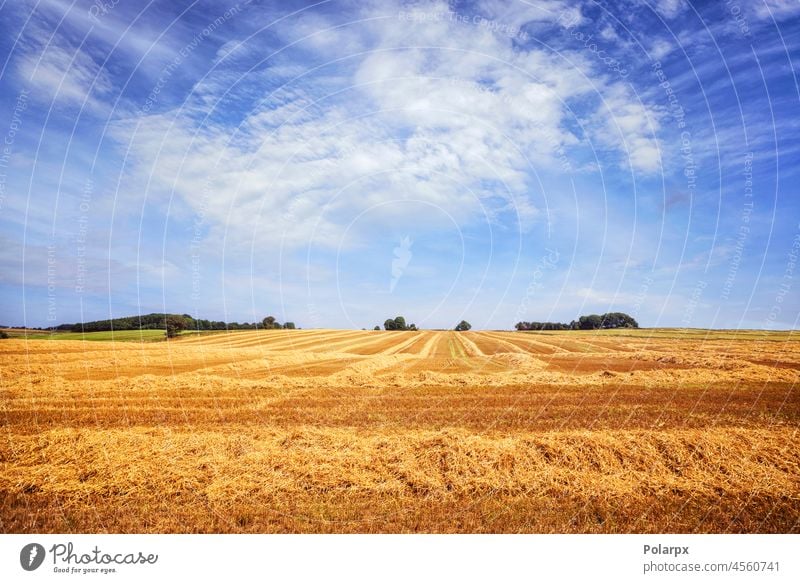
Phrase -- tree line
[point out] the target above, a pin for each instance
(590, 322)
(173, 324)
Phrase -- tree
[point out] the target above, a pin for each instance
(590, 322)
(463, 326)
(289, 326)
(398, 323)
(618, 320)
(3, 335)
(175, 325)
(270, 323)
(377, 328)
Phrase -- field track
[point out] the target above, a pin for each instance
(430, 431)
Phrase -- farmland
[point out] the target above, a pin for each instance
(370, 431)
(106, 336)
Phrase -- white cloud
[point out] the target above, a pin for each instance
(630, 127)
(108, 25)
(660, 48)
(460, 128)
(667, 8)
(60, 73)
(777, 9)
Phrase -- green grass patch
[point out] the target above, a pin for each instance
(110, 336)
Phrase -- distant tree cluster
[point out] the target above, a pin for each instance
(171, 323)
(3, 335)
(200, 325)
(143, 322)
(398, 323)
(542, 326)
(463, 326)
(590, 322)
(270, 323)
(610, 320)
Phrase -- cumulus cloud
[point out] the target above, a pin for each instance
(660, 49)
(667, 8)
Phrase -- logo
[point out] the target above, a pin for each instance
(31, 556)
(402, 256)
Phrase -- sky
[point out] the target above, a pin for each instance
(338, 163)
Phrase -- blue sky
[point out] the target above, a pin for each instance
(338, 163)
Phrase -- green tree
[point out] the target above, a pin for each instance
(3, 335)
(289, 326)
(590, 322)
(400, 323)
(174, 325)
(618, 320)
(269, 323)
(390, 324)
(377, 328)
(463, 326)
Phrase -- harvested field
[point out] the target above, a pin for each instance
(367, 431)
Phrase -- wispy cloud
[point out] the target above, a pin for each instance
(60, 73)
(405, 104)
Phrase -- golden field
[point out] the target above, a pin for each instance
(366, 431)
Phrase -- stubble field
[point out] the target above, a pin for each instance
(362, 431)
